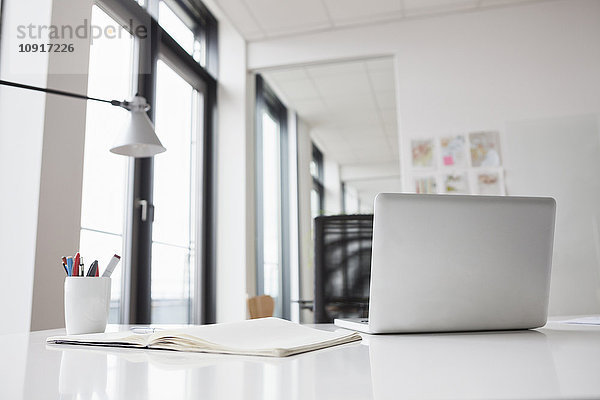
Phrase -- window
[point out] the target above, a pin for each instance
(176, 28)
(317, 193)
(175, 175)
(183, 26)
(272, 199)
(168, 261)
(104, 173)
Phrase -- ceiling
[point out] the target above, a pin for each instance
(262, 19)
(350, 108)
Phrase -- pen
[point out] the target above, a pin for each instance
(81, 266)
(70, 266)
(111, 266)
(65, 267)
(76, 265)
(92, 269)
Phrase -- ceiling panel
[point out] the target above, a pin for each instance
(310, 107)
(263, 19)
(343, 84)
(389, 116)
(382, 81)
(366, 130)
(281, 17)
(349, 117)
(487, 3)
(345, 158)
(358, 10)
(432, 7)
(352, 67)
(288, 75)
(386, 99)
(380, 64)
(237, 11)
(350, 103)
(300, 89)
(391, 129)
(367, 141)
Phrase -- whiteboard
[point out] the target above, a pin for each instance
(560, 157)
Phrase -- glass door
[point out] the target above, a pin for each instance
(272, 200)
(176, 173)
(104, 193)
(271, 220)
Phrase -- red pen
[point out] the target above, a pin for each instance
(76, 265)
(97, 270)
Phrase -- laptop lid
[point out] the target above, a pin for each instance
(456, 263)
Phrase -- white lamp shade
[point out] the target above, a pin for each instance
(138, 138)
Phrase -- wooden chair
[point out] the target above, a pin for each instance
(261, 306)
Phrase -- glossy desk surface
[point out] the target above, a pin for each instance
(557, 361)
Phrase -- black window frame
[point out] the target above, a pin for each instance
(266, 99)
(160, 44)
(319, 180)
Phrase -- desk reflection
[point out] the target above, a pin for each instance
(83, 375)
(516, 364)
(102, 373)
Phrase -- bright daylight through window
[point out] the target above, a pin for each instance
(104, 173)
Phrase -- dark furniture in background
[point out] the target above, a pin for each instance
(342, 266)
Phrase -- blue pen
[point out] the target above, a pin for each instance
(70, 265)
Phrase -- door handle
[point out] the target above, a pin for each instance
(144, 205)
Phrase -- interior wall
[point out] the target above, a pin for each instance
(21, 137)
(234, 156)
(59, 215)
(251, 273)
(50, 160)
(306, 248)
(294, 227)
(480, 70)
(570, 155)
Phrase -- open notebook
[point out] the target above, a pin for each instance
(272, 337)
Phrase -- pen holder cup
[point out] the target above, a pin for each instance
(87, 300)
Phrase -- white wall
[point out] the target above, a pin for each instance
(46, 150)
(294, 211)
(21, 136)
(59, 212)
(235, 206)
(566, 167)
(306, 253)
(479, 70)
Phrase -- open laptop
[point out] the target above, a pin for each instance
(443, 263)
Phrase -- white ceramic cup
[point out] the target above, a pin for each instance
(87, 300)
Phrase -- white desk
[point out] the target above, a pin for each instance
(558, 361)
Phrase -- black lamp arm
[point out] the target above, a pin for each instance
(118, 103)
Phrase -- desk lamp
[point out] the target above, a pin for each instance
(138, 139)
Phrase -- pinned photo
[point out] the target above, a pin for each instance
(456, 183)
(485, 149)
(425, 185)
(490, 183)
(453, 151)
(422, 153)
